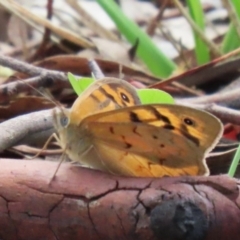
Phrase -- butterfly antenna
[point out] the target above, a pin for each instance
(45, 96)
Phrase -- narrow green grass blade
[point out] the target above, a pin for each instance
(201, 49)
(235, 162)
(231, 40)
(147, 51)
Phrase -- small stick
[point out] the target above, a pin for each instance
(232, 15)
(13, 88)
(91, 23)
(154, 22)
(41, 51)
(30, 69)
(95, 69)
(226, 98)
(214, 49)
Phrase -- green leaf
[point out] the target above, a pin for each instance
(150, 96)
(79, 85)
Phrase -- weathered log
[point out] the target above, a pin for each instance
(87, 204)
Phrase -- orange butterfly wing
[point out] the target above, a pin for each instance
(153, 140)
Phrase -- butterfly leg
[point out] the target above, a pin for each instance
(58, 166)
(53, 136)
(62, 159)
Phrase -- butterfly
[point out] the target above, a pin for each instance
(108, 129)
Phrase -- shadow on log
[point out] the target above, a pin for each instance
(87, 204)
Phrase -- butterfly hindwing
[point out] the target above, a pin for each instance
(127, 163)
(154, 138)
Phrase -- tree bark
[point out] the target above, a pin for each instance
(87, 204)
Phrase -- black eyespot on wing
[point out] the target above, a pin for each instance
(64, 121)
(154, 137)
(124, 97)
(188, 121)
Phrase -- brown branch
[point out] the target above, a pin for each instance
(42, 78)
(26, 129)
(30, 69)
(86, 204)
(228, 98)
(11, 89)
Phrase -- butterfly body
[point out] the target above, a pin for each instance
(108, 129)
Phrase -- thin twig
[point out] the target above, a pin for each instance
(22, 12)
(40, 53)
(97, 72)
(222, 98)
(195, 27)
(232, 15)
(154, 22)
(11, 89)
(178, 46)
(90, 22)
(30, 69)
